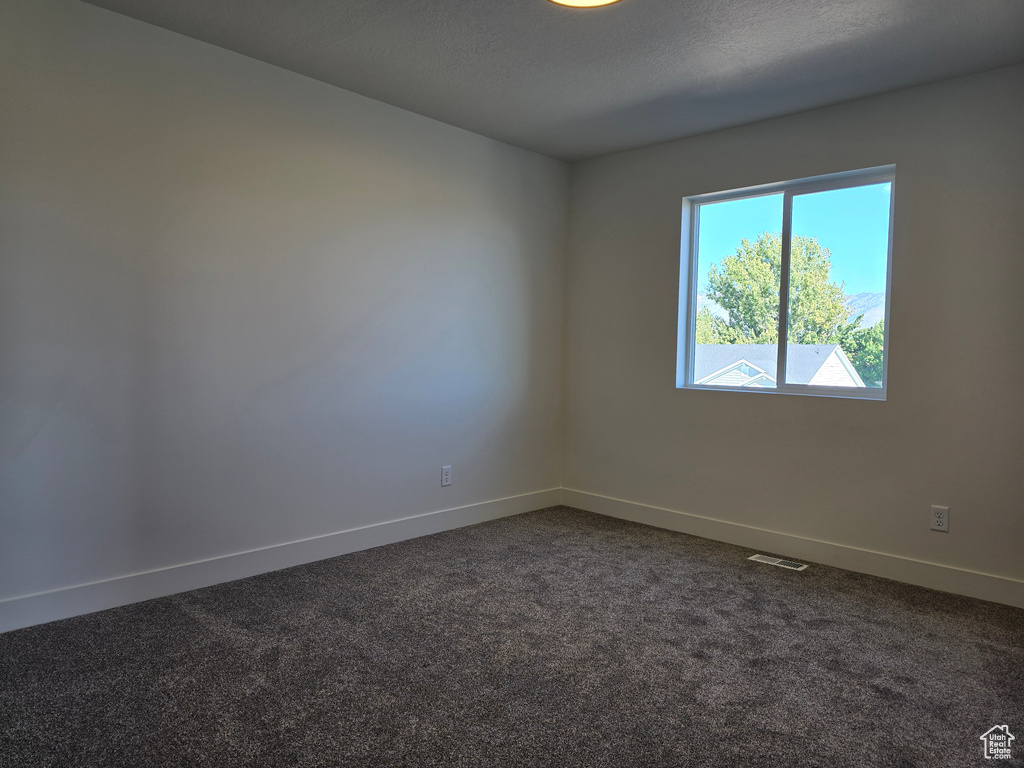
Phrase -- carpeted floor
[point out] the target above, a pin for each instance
(556, 638)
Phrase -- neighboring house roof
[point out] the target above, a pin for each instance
(755, 365)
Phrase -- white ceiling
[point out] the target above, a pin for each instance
(578, 83)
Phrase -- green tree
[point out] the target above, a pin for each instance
(746, 285)
(706, 327)
(864, 348)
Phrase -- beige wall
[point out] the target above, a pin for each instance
(857, 473)
(239, 307)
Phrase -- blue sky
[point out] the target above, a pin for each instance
(852, 223)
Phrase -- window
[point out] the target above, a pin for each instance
(821, 249)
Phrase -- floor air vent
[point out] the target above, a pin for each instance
(776, 561)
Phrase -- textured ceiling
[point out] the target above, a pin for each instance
(578, 83)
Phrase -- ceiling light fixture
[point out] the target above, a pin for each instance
(584, 3)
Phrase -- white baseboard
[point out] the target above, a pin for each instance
(998, 589)
(26, 610)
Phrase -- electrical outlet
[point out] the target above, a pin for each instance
(446, 476)
(940, 519)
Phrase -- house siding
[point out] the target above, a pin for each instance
(733, 378)
(833, 374)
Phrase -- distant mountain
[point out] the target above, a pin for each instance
(713, 308)
(871, 305)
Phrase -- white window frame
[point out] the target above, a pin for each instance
(689, 279)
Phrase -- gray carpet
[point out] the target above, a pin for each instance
(556, 638)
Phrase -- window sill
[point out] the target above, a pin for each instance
(801, 391)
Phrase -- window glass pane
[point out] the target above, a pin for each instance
(837, 287)
(738, 273)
